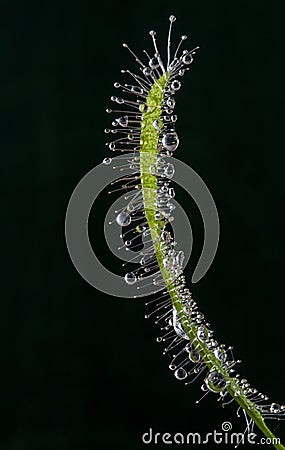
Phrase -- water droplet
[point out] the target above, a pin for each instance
(147, 71)
(143, 108)
(136, 90)
(170, 102)
(172, 18)
(275, 408)
(177, 326)
(112, 146)
(181, 72)
(119, 100)
(107, 161)
(130, 278)
(180, 258)
(194, 356)
(171, 193)
(128, 243)
(215, 382)
(202, 333)
(153, 62)
(187, 59)
(123, 121)
(167, 263)
(220, 354)
(180, 374)
(172, 367)
(130, 207)
(169, 171)
(157, 124)
(175, 85)
(170, 141)
(123, 219)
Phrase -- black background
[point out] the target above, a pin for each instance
(81, 370)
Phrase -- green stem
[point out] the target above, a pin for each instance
(148, 154)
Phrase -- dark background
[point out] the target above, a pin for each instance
(81, 370)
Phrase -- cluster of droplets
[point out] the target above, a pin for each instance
(189, 342)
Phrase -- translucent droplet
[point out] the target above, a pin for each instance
(157, 124)
(180, 258)
(147, 71)
(130, 278)
(130, 207)
(202, 333)
(128, 243)
(167, 263)
(153, 62)
(123, 121)
(175, 85)
(177, 325)
(170, 102)
(119, 100)
(172, 18)
(220, 354)
(123, 219)
(194, 356)
(172, 367)
(180, 374)
(181, 72)
(107, 161)
(169, 171)
(275, 408)
(187, 59)
(215, 382)
(170, 141)
(171, 192)
(143, 108)
(136, 90)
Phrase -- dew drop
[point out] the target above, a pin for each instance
(143, 108)
(128, 243)
(169, 171)
(194, 356)
(171, 193)
(175, 85)
(136, 90)
(275, 408)
(130, 278)
(147, 71)
(123, 219)
(202, 333)
(170, 141)
(220, 354)
(123, 121)
(157, 124)
(187, 59)
(215, 382)
(180, 374)
(170, 102)
(107, 161)
(153, 62)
